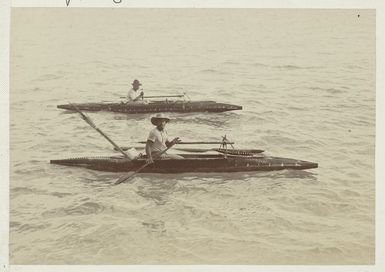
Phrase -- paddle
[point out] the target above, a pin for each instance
(128, 176)
(92, 124)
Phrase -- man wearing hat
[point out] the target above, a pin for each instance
(133, 96)
(157, 140)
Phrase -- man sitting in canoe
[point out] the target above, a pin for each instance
(157, 140)
(133, 96)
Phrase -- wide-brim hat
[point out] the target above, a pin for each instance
(136, 82)
(159, 116)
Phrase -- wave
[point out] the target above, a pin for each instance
(231, 63)
(47, 77)
(273, 139)
(29, 227)
(296, 67)
(258, 64)
(158, 191)
(330, 90)
(154, 225)
(213, 71)
(80, 209)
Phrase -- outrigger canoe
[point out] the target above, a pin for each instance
(154, 106)
(230, 160)
(189, 163)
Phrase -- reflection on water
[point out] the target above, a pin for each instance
(160, 188)
(154, 226)
(157, 191)
(86, 207)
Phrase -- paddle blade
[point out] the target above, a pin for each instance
(127, 177)
(89, 121)
(123, 178)
(84, 117)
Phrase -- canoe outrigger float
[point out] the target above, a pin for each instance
(154, 106)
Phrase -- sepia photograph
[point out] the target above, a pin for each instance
(192, 136)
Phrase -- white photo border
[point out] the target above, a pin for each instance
(5, 11)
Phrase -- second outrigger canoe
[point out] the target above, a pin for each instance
(189, 163)
(154, 106)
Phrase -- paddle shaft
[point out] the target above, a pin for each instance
(124, 178)
(112, 142)
(92, 124)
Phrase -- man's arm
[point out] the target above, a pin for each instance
(139, 96)
(131, 95)
(148, 151)
(174, 141)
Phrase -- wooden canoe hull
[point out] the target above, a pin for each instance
(190, 163)
(155, 106)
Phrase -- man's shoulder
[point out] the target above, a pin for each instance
(154, 131)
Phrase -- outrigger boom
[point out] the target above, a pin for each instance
(143, 142)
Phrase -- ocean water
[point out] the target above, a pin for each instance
(306, 81)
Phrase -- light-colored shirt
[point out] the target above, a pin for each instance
(159, 139)
(132, 94)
